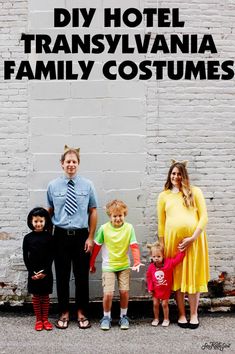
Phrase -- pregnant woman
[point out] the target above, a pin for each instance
(182, 217)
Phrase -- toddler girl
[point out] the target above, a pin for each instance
(159, 280)
(38, 257)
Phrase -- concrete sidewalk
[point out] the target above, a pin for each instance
(216, 334)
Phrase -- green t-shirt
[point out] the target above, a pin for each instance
(115, 246)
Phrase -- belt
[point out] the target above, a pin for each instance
(70, 232)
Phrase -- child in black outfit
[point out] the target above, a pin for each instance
(38, 258)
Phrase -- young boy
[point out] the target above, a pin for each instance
(115, 237)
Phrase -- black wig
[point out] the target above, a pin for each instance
(39, 211)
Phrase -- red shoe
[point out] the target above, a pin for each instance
(38, 326)
(47, 325)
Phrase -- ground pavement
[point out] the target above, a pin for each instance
(216, 334)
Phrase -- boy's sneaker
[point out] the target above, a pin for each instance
(105, 323)
(124, 322)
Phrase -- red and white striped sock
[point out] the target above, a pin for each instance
(45, 303)
(37, 307)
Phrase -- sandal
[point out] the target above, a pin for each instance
(64, 321)
(81, 323)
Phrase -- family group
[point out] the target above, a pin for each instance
(65, 233)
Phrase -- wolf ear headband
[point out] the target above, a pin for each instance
(185, 162)
(67, 148)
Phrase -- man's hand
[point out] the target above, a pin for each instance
(88, 245)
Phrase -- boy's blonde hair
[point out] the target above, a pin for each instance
(116, 205)
(155, 246)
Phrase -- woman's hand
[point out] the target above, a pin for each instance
(185, 243)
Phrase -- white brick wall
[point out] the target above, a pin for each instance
(127, 130)
(194, 120)
(14, 151)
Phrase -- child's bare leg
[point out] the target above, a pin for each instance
(165, 308)
(156, 303)
(107, 301)
(124, 298)
(105, 322)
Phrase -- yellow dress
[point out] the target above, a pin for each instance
(175, 222)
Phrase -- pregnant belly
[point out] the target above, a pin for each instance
(181, 227)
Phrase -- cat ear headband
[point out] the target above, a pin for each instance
(185, 162)
(67, 148)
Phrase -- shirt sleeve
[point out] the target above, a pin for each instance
(49, 197)
(149, 279)
(177, 259)
(92, 197)
(161, 215)
(133, 236)
(135, 250)
(94, 254)
(201, 207)
(99, 238)
(26, 256)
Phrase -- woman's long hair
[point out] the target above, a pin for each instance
(185, 187)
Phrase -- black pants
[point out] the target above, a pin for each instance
(69, 252)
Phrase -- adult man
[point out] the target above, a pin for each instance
(72, 204)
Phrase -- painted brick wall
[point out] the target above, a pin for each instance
(194, 120)
(127, 131)
(14, 151)
(105, 119)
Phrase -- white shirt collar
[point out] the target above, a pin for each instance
(175, 190)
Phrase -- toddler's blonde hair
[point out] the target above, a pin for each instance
(155, 246)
